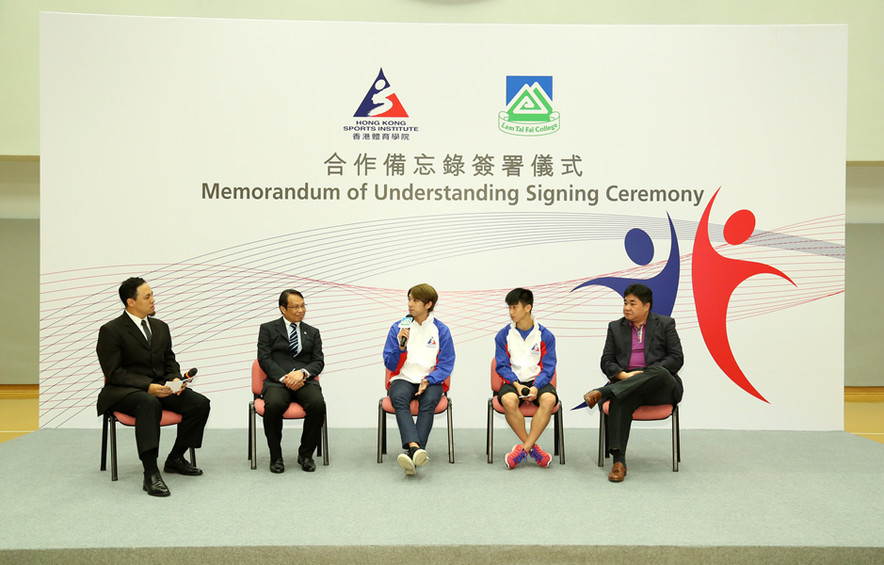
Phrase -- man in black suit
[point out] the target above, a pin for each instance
(290, 354)
(641, 359)
(136, 357)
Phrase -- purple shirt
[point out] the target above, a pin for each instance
(637, 357)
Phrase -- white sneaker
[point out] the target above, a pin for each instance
(421, 457)
(406, 463)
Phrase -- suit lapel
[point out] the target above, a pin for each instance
(650, 326)
(626, 341)
(626, 334)
(305, 338)
(283, 328)
(134, 331)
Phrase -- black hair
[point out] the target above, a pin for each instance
(520, 295)
(284, 297)
(129, 289)
(641, 292)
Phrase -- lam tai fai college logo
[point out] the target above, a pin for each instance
(381, 115)
(529, 110)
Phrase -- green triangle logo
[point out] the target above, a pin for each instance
(531, 104)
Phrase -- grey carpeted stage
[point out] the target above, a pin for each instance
(739, 497)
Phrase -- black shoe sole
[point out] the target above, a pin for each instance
(174, 470)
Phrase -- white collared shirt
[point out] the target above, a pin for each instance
(138, 321)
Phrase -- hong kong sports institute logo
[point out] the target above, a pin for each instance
(381, 116)
(529, 111)
(381, 101)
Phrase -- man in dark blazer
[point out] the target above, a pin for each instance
(136, 357)
(641, 359)
(290, 354)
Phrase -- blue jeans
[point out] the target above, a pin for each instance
(401, 394)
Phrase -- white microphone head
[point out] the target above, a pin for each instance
(406, 321)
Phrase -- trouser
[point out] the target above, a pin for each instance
(276, 402)
(401, 394)
(655, 385)
(148, 411)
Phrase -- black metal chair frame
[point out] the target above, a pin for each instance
(109, 432)
(676, 436)
(321, 449)
(558, 433)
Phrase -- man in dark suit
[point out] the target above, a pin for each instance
(290, 354)
(641, 359)
(136, 357)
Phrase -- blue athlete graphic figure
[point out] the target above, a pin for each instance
(640, 249)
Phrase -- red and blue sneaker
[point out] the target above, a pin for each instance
(514, 457)
(542, 457)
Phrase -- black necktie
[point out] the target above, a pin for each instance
(146, 330)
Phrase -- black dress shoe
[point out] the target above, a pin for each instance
(154, 485)
(307, 464)
(277, 466)
(181, 466)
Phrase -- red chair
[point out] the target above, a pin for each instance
(643, 413)
(109, 424)
(294, 412)
(385, 407)
(528, 410)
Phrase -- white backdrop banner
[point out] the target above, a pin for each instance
(227, 160)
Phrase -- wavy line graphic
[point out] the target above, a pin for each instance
(214, 302)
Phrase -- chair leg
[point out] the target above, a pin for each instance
(324, 443)
(678, 436)
(253, 450)
(676, 440)
(103, 442)
(560, 435)
(193, 456)
(450, 434)
(555, 420)
(602, 439)
(489, 433)
(113, 446)
(249, 453)
(384, 437)
(381, 438)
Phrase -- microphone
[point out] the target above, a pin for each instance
(526, 391)
(405, 323)
(188, 376)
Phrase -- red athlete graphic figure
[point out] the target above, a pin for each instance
(714, 279)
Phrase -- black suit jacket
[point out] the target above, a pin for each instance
(662, 348)
(129, 364)
(276, 358)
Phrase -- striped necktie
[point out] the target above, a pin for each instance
(294, 344)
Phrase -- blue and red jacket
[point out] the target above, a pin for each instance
(428, 354)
